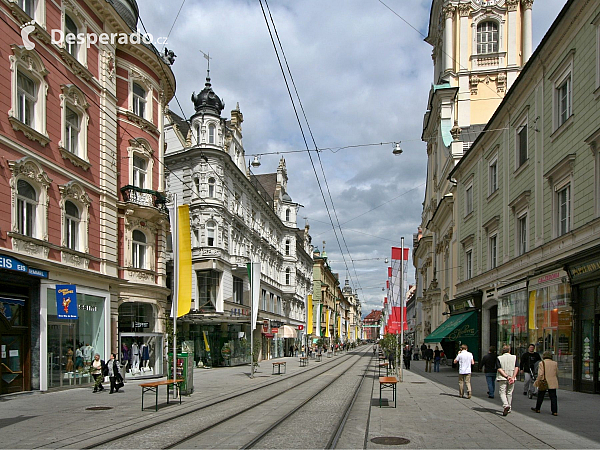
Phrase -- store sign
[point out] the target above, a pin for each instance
(555, 277)
(265, 326)
(141, 324)
(66, 301)
(300, 327)
(274, 330)
(512, 288)
(9, 263)
(581, 270)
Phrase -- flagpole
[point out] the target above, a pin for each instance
(175, 233)
(251, 319)
(402, 318)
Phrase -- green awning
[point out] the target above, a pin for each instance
(456, 328)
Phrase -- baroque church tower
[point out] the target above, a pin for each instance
(479, 49)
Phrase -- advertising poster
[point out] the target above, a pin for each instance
(66, 301)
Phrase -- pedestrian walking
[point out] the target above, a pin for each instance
(548, 372)
(98, 370)
(407, 356)
(437, 357)
(507, 374)
(114, 374)
(423, 350)
(490, 365)
(527, 365)
(465, 361)
(428, 355)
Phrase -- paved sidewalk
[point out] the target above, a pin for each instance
(431, 415)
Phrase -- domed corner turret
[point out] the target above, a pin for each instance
(207, 101)
(128, 10)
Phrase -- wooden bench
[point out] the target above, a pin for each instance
(278, 365)
(153, 387)
(388, 383)
(318, 357)
(303, 361)
(386, 366)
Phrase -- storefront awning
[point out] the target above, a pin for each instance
(457, 327)
(287, 332)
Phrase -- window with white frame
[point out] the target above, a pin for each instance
(28, 94)
(521, 144)
(72, 127)
(563, 210)
(288, 276)
(469, 199)
(71, 226)
(521, 234)
(138, 249)
(487, 37)
(279, 309)
(210, 233)
(211, 187)
(493, 176)
(493, 251)
(28, 7)
(287, 214)
(263, 298)
(75, 120)
(139, 100)
(468, 264)
(197, 185)
(26, 98)
(27, 202)
(71, 36)
(238, 290)
(563, 100)
(211, 133)
(140, 166)
(287, 247)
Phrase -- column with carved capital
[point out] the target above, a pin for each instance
(463, 11)
(527, 39)
(449, 37)
(511, 49)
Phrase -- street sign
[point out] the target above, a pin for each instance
(300, 327)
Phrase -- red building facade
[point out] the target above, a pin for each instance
(372, 324)
(81, 191)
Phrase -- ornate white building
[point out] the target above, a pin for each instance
(236, 216)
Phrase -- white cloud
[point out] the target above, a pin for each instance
(363, 76)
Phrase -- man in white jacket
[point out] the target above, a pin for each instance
(507, 374)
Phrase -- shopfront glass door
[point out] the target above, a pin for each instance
(64, 366)
(11, 363)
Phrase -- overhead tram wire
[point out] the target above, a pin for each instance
(173, 25)
(303, 135)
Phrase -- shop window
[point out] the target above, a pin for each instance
(512, 322)
(208, 287)
(26, 208)
(138, 249)
(238, 290)
(487, 37)
(136, 317)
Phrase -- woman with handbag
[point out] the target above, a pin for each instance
(547, 380)
(116, 380)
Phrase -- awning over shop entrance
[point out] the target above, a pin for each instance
(287, 332)
(457, 328)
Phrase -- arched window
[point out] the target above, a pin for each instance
(211, 187)
(287, 215)
(138, 250)
(71, 36)
(26, 208)
(211, 134)
(487, 37)
(72, 220)
(288, 276)
(197, 134)
(287, 247)
(210, 233)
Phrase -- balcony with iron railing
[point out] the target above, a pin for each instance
(145, 197)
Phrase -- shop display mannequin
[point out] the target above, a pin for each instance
(125, 355)
(145, 354)
(70, 360)
(135, 356)
(88, 352)
(78, 358)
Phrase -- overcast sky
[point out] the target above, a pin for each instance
(363, 76)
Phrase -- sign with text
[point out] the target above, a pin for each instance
(66, 301)
(9, 263)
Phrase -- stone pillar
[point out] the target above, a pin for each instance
(463, 11)
(527, 39)
(512, 50)
(448, 38)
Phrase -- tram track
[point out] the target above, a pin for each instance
(274, 435)
(132, 438)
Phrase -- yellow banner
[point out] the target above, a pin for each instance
(340, 326)
(532, 296)
(327, 324)
(184, 291)
(206, 346)
(309, 317)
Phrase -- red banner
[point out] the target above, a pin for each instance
(388, 283)
(396, 318)
(397, 253)
(390, 272)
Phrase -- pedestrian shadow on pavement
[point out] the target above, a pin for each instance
(450, 395)
(488, 410)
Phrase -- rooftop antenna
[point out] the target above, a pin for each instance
(208, 58)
